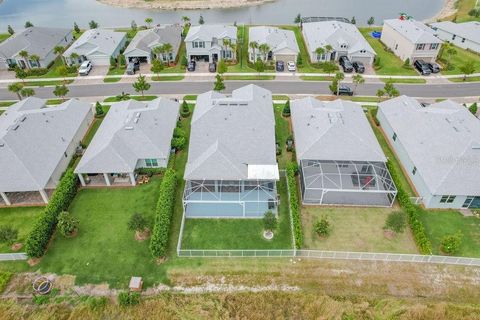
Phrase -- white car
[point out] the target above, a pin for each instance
(291, 66)
(85, 68)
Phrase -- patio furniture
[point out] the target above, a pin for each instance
(136, 284)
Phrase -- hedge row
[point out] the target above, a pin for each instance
(164, 212)
(39, 237)
(294, 204)
(413, 212)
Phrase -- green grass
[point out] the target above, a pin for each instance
(316, 78)
(7, 103)
(20, 218)
(399, 80)
(239, 233)
(91, 132)
(242, 52)
(190, 97)
(354, 229)
(439, 223)
(470, 79)
(138, 98)
(390, 63)
(52, 72)
(463, 7)
(459, 59)
(53, 102)
(119, 71)
(282, 131)
(178, 68)
(363, 99)
(130, 32)
(4, 36)
(46, 83)
(248, 78)
(168, 78)
(280, 97)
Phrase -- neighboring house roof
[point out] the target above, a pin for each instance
(97, 42)
(232, 138)
(277, 39)
(146, 40)
(33, 140)
(442, 140)
(336, 130)
(131, 131)
(206, 32)
(35, 40)
(414, 31)
(468, 30)
(335, 33)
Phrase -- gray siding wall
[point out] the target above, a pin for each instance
(447, 36)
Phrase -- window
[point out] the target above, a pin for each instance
(468, 202)
(414, 170)
(396, 46)
(453, 37)
(198, 44)
(321, 57)
(434, 46)
(227, 54)
(447, 199)
(151, 163)
(421, 46)
(394, 137)
(463, 40)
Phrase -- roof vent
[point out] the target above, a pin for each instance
(135, 120)
(128, 128)
(16, 127)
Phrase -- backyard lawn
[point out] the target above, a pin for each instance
(282, 131)
(439, 223)
(354, 229)
(242, 52)
(20, 218)
(52, 71)
(459, 59)
(390, 63)
(4, 36)
(239, 233)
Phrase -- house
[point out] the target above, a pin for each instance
(344, 39)
(36, 41)
(281, 43)
(340, 160)
(232, 168)
(36, 146)
(133, 135)
(97, 46)
(145, 41)
(438, 146)
(211, 42)
(465, 35)
(410, 39)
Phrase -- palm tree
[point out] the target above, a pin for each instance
(27, 92)
(328, 49)
(264, 49)
(157, 51)
(167, 49)
(24, 55)
(254, 46)
(226, 43)
(16, 88)
(148, 21)
(233, 46)
(357, 80)
(339, 76)
(35, 58)
(320, 52)
(74, 58)
(58, 50)
(186, 20)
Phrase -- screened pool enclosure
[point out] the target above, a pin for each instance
(229, 198)
(355, 183)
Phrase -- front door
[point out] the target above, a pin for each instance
(215, 57)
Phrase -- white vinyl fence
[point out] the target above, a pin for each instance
(13, 256)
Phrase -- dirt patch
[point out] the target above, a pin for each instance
(16, 246)
(448, 10)
(142, 235)
(184, 4)
(389, 234)
(73, 234)
(33, 261)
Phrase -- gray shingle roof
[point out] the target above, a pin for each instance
(146, 40)
(206, 32)
(414, 31)
(35, 40)
(334, 33)
(33, 140)
(442, 140)
(229, 134)
(468, 30)
(102, 41)
(276, 38)
(336, 130)
(131, 131)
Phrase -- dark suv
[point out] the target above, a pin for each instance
(359, 67)
(344, 90)
(422, 67)
(346, 64)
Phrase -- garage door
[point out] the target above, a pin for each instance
(141, 59)
(364, 60)
(286, 57)
(205, 58)
(99, 60)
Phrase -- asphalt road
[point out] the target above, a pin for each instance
(277, 87)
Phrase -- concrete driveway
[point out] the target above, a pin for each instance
(98, 71)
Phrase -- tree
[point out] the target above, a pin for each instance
(339, 76)
(24, 54)
(396, 222)
(141, 85)
(158, 52)
(74, 58)
(286, 109)
(61, 91)
(390, 90)
(121, 60)
(148, 21)
(322, 227)
(329, 67)
(298, 19)
(254, 46)
(186, 20)
(27, 92)
(380, 93)
(371, 21)
(157, 67)
(133, 25)
(333, 86)
(357, 80)
(98, 109)
(320, 52)
(20, 74)
(222, 67)
(137, 223)
(35, 58)
(8, 234)
(113, 62)
(184, 61)
(353, 21)
(201, 20)
(16, 88)
(76, 28)
(260, 65)
(269, 221)
(467, 69)
(473, 108)
(185, 112)
(10, 30)
(219, 85)
(58, 50)
(62, 72)
(264, 50)
(451, 243)
(28, 24)
(67, 224)
(93, 25)
(167, 49)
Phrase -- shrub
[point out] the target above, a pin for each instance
(113, 62)
(5, 277)
(95, 303)
(473, 108)
(150, 171)
(396, 222)
(98, 110)
(294, 203)
(41, 299)
(322, 227)
(8, 234)
(122, 60)
(184, 61)
(451, 243)
(44, 227)
(163, 214)
(333, 87)
(137, 222)
(259, 65)
(299, 60)
(269, 221)
(67, 224)
(185, 112)
(286, 109)
(126, 299)
(36, 72)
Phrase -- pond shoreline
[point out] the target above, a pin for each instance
(183, 4)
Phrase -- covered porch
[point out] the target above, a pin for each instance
(26, 198)
(107, 179)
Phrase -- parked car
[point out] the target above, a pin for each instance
(212, 67)
(422, 67)
(344, 90)
(291, 66)
(346, 64)
(279, 66)
(131, 68)
(434, 67)
(191, 66)
(85, 68)
(136, 64)
(359, 67)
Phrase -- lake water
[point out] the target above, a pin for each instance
(62, 13)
